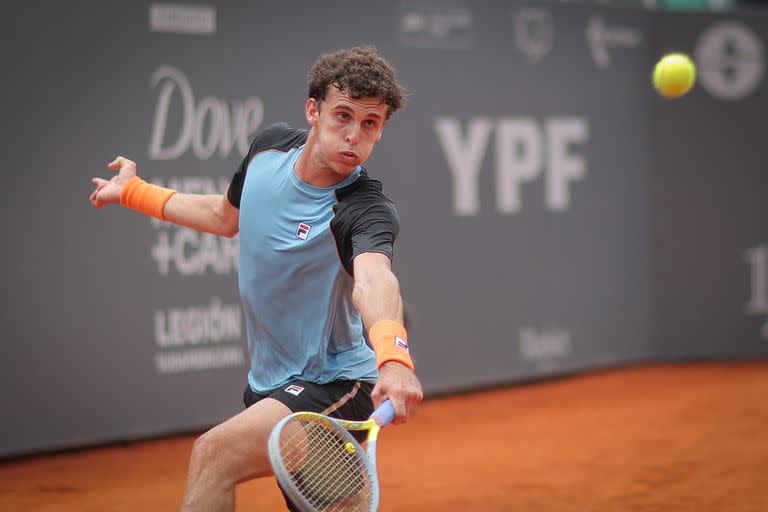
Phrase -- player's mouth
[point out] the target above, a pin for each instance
(348, 156)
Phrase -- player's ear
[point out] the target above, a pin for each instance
(312, 111)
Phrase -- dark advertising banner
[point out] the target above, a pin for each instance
(710, 192)
(556, 215)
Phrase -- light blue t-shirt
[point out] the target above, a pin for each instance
(297, 243)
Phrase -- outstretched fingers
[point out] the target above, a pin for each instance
(123, 166)
(117, 163)
(100, 184)
(109, 191)
(95, 199)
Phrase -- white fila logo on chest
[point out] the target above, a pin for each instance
(303, 230)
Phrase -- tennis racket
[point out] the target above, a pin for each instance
(321, 467)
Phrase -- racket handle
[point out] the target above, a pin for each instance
(384, 414)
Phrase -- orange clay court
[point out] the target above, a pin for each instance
(679, 437)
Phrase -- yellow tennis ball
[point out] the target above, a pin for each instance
(674, 75)
(350, 448)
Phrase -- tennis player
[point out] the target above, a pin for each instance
(316, 244)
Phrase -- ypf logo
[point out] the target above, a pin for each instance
(534, 32)
(730, 60)
(757, 257)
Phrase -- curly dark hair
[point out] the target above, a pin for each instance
(359, 72)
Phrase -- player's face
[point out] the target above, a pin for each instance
(347, 128)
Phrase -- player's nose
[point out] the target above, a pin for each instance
(352, 136)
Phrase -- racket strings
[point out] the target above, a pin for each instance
(327, 475)
(326, 471)
(324, 468)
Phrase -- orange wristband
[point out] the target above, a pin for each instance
(145, 197)
(390, 342)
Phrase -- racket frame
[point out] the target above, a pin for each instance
(380, 418)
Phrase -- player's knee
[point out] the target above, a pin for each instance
(204, 449)
(215, 456)
(210, 453)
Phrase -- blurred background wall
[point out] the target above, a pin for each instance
(557, 215)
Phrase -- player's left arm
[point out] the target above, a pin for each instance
(377, 295)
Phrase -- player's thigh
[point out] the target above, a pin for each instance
(241, 441)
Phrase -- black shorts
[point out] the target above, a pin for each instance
(344, 399)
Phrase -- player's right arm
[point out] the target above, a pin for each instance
(210, 213)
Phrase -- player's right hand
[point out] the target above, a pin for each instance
(400, 385)
(109, 191)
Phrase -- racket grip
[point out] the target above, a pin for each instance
(384, 414)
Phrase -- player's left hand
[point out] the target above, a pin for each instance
(398, 383)
(109, 191)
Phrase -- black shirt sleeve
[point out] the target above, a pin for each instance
(279, 136)
(365, 221)
(235, 190)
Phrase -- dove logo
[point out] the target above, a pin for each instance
(207, 126)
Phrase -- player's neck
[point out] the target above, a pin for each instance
(311, 168)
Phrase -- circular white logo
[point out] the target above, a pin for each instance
(534, 32)
(730, 60)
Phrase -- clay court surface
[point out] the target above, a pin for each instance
(682, 437)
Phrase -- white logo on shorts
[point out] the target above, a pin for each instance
(294, 389)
